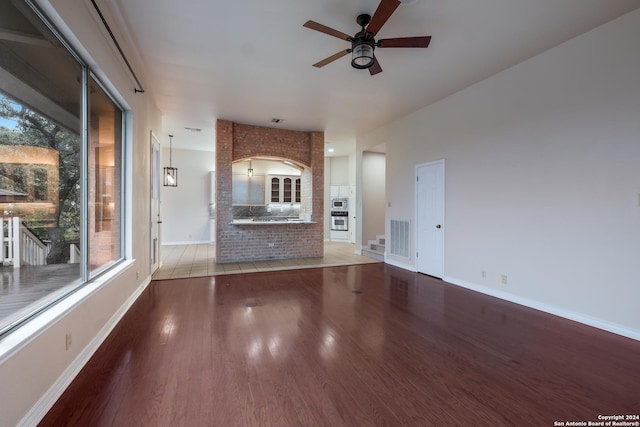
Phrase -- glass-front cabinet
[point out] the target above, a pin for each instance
(284, 189)
(275, 190)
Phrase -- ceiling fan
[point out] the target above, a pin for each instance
(363, 43)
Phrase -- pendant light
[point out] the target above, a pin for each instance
(170, 173)
(250, 170)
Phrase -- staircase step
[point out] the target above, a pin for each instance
(372, 253)
(381, 238)
(377, 247)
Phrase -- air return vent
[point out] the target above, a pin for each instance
(400, 232)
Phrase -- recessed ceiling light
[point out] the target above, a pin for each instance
(193, 129)
(331, 150)
(276, 120)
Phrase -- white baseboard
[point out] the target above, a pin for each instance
(547, 308)
(399, 264)
(46, 402)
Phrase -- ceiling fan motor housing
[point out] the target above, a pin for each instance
(363, 20)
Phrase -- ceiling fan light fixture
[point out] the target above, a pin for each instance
(363, 43)
(362, 54)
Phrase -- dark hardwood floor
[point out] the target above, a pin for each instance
(360, 345)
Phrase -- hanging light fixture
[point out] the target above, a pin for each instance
(362, 53)
(362, 45)
(170, 173)
(250, 170)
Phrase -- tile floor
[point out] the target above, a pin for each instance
(181, 261)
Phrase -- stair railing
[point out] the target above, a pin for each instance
(19, 246)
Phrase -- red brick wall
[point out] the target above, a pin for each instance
(252, 141)
(243, 243)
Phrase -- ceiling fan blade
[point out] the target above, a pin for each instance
(375, 68)
(405, 42)
(332, 58)
(383, 12)
(324, 29)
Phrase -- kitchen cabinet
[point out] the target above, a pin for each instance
(283, 189)
(275, 190)
(339, 192)
(247, 190)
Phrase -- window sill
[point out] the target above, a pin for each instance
(31, 329)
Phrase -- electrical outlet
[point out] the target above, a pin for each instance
(504, 279)
(271, 245)
(484, 274)
(67, 339)
(137, 275)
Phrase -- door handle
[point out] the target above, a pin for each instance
(438, 226)
(159, 222)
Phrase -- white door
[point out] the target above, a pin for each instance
(430, 218)
(155, 204)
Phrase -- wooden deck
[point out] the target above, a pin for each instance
(25, 289)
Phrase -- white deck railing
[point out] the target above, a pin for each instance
(19, 245)
(74, 254)
(9, 244)
(32, 250)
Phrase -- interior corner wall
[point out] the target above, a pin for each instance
(185, 208)
(542, 181)
(327, 198)
(32, 373)
(373, 195)
(353, 199)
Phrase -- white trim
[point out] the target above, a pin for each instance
(551, 309)
(25, 334)
(46, 402)
(400, 264)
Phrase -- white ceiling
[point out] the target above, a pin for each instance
(250, 60)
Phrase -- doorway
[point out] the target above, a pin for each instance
(155, 205)
(430, 218)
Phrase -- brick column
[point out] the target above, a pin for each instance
(224, 157)
(317, 182)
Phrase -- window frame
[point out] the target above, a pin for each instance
(86, 276)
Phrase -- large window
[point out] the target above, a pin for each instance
(105, 171)
(60, 168)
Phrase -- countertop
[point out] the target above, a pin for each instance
(258, 221)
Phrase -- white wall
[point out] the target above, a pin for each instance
(327, 198)
(542, 177)
(185, 208)
(373, 195)
(34, 365)
(340, 170)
